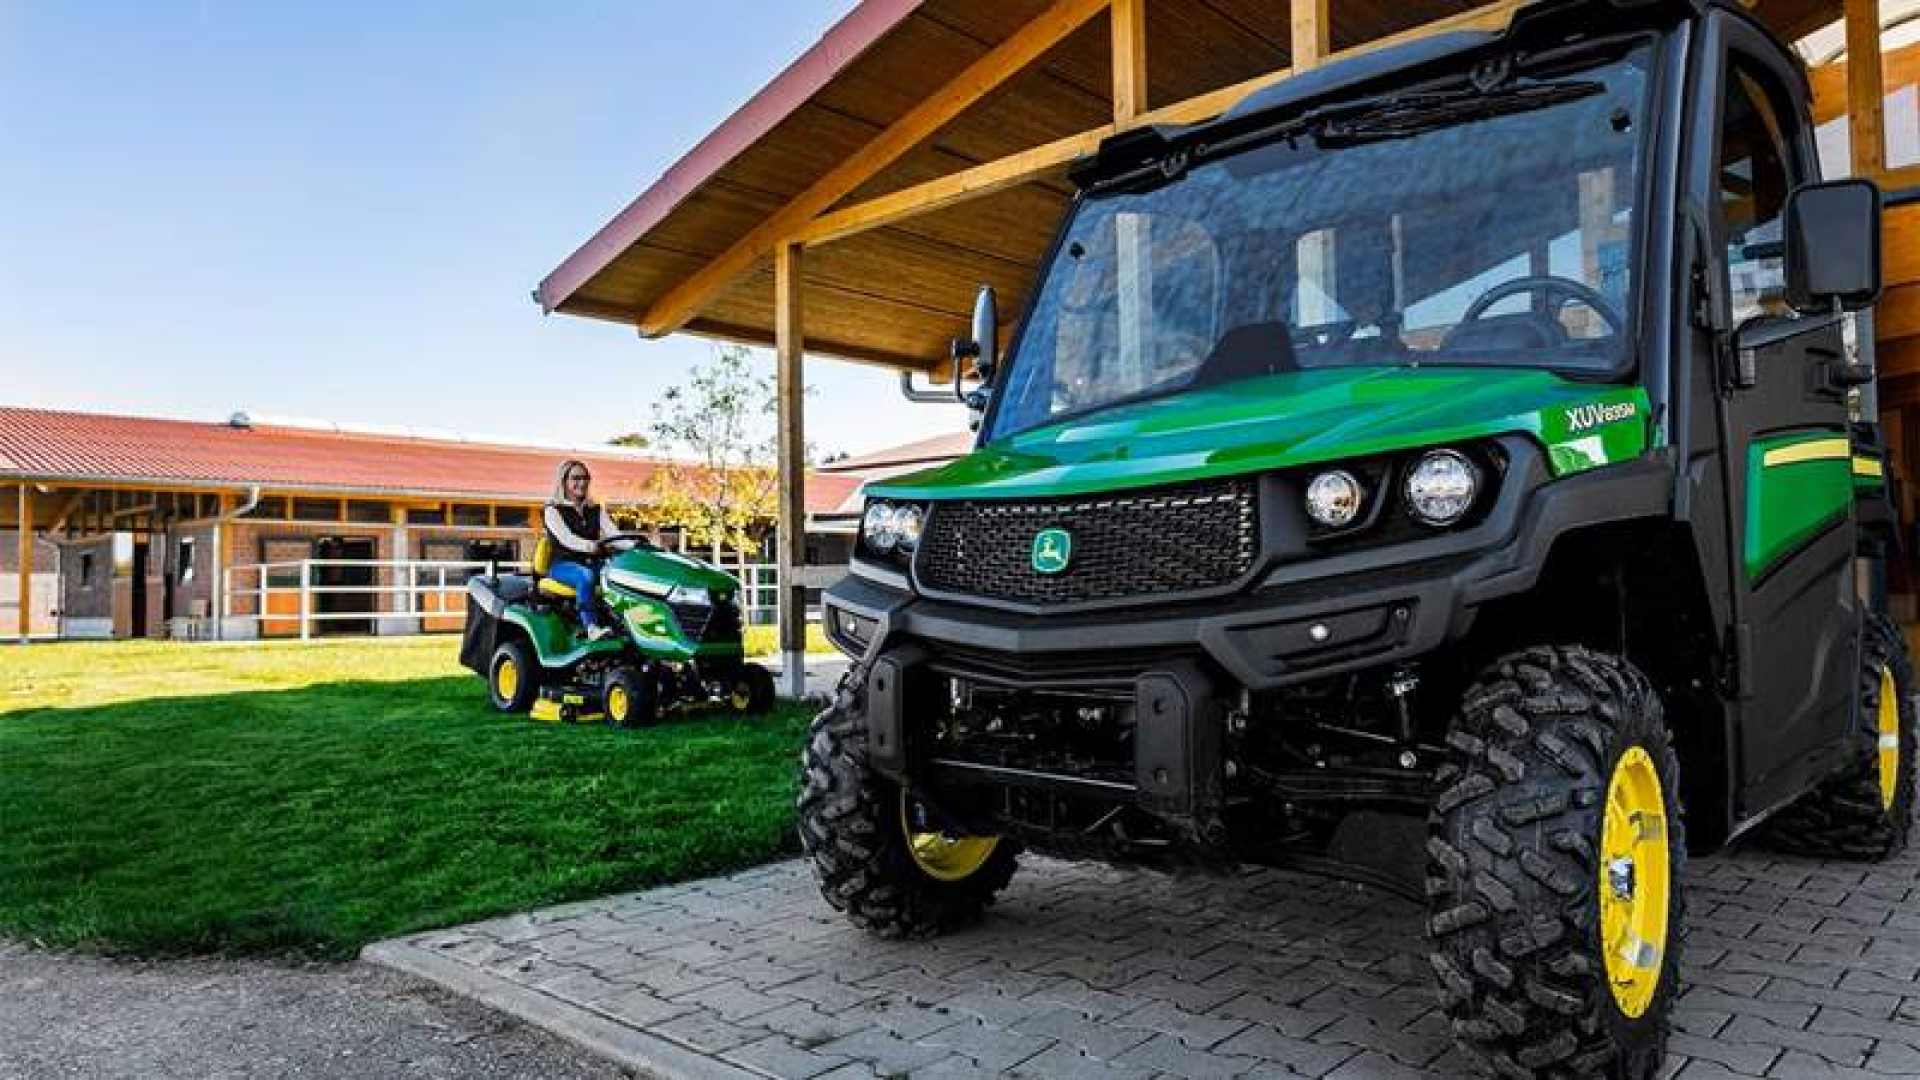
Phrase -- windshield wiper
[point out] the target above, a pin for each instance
(1412, 114)
(1353, 123)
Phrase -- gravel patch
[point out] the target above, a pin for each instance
(64, 1015)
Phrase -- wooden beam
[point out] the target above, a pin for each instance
(1312, 33)
(25, 565)
(64, 511)
(963, 186)
(1042, 161)
(1129, 59)
(790, 388)
(1866, 119)
(980, 78)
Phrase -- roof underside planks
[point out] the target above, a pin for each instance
(897, 294)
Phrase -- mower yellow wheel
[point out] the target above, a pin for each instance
(506, 679)
(1635, 882)
(1889, 739)
(619, 705)
(742, 697)
(943, 857)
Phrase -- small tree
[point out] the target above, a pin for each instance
(723, 420)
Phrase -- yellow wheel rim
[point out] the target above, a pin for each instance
(617, 704)
(742, 697)
(506, 679)
(943, 857)
(1889, 740)
(1635, 883)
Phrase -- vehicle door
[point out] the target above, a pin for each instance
(1784, 425)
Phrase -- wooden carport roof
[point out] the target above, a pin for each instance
(918, 150)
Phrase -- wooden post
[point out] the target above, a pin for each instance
(1129, 59)
(1312, 33)
(790, 347)
(1866, 110)
(26, 561)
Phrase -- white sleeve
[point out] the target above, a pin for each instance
(557, 526)
(607, 526)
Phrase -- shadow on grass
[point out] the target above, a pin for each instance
(307, 822)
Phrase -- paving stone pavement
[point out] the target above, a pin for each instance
(1794, 968)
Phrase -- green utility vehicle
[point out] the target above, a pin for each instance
(678, 640)
(1440, 470)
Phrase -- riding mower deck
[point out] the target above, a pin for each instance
(676, 640)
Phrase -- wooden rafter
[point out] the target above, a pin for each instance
(1129, 59)
(683, 302)
(1043, 161)
(1866, 111)
(1312, 33)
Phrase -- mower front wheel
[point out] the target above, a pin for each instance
(632, 699)
(513, 677)
(750, 690)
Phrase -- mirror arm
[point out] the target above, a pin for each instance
(918, 396)
(960, 352)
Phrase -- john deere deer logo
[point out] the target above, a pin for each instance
(1052, 550)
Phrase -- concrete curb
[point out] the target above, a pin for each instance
(649, 1055)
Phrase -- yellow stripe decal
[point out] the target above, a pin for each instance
(1868, 467)
(1813, 450)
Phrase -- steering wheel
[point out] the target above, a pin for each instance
(607, 542)
(1548, 285)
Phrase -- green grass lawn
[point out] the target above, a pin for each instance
(303, 800)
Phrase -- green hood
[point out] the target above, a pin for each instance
(671, 569)
(1299, 418)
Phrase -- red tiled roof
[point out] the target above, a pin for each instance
(91, 447)
(934, 451)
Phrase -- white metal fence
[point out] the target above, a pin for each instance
(400, 596)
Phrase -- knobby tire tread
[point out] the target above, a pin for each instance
(850, 830)
(1514, 871)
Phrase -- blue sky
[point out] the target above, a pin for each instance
(337, 210)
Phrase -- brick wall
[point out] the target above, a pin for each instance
(88, 595)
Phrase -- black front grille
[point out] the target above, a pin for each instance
(1193, 538)
(708, 624)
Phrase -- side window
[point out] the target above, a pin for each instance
(1754, 180)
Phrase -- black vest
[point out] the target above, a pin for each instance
(584, 525)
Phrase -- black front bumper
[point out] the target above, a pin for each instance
(1184, 667)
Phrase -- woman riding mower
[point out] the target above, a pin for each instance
(576, 526)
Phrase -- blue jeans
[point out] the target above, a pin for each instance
(579, 578)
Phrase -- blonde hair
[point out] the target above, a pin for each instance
(560, 481)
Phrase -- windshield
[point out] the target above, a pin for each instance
(1455, 227)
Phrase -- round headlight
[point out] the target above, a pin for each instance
(1441, 488)
(878, 527)
(1334, 499)
(906, 527)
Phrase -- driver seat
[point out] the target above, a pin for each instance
(542, 562)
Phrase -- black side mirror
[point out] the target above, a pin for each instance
(1833, 247)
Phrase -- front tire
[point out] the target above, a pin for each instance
(750, 690)
(854, 826)
(631, 699)
(1866, 812)
(513, 677)
(1557, 866)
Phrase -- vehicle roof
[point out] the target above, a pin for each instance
(1381, 69)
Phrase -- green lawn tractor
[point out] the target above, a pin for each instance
(1449, 469)
(676, 640)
